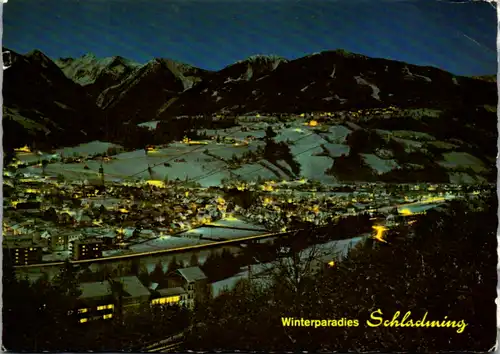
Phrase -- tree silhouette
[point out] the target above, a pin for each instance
(45, 162)
(194, 262)
(157, 275)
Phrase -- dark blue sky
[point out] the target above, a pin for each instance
(458, 37)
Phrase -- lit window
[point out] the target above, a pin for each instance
(99, 308)
(107, 316)
(82, 310)
(110, 306)
(31, 249)
(82, 320)
(166, 300)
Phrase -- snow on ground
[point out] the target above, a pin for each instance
(338, 133)
(235, 222)
(166, 242)
(92, 148)
(337, 249)
(462, 160)
(406, 134)
(31, 157)
(213, 179)
(410, 145)
(227, 284)
(334, 249)
(292, 134)
(379, 165)
(226, 152)
(251, 171)
(116, 252)
(375, 89)
(314, 167)
(442, 145)
(219, 233)
(337, 150)
(465, 178)
(151, 125)
(56, 256)
(418, 208)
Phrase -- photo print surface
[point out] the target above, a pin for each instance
(214, 175)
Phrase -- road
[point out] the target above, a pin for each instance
(163, 251)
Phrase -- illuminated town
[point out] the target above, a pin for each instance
(151, 205)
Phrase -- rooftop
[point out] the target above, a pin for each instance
(133, 286)
(171, 291)
(192, 274)
(95, 290)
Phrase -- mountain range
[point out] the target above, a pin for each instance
(72, 100)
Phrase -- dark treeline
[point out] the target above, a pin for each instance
(135, 137)
(446, 267)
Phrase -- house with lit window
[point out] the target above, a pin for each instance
(134, 292)
(90, 248)
(22, 252)
(58, 242)
(169, 296)
(96, 302)
(193, 281)
(102, 300)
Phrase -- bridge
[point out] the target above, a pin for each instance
(162, 251)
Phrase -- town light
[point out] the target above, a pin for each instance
(406, 212)
(380, 232)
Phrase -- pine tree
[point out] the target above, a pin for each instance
(157, 275)
(44, 165)
(194, 262)
(173, 265)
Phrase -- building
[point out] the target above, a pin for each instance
(170, 296)
(58, 242)
(103, 300)
(134, 292)
(22, 252)
(95, 302)
(193, 281)
(87, 249)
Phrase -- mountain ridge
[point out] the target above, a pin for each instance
(359, 90)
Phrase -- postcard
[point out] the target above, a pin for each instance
(249, 176)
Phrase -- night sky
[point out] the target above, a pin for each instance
(458, 37)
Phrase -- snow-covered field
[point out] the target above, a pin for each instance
(235, 222)
(166, 242)
(379, 165)
(151, 125)
(219, 233)
(337, 150)
(251, 171)
(462, 160)
(406, 134)
(462, 177)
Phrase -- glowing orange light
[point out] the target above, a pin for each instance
(405, 212)
(379, 236)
